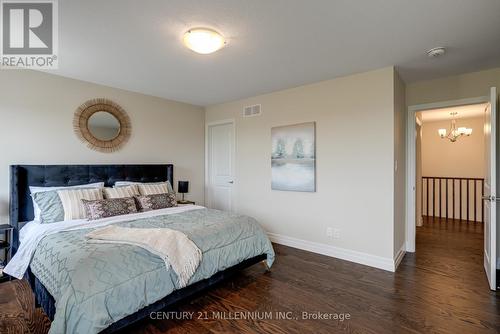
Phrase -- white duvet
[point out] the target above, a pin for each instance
(33, 232)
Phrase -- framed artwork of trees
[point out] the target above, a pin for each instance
(293, 157)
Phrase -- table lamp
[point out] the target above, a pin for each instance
(182, 188)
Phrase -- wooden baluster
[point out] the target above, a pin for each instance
(453, 198)
(460, 195)
(467, 180)
(422, 197)
(475, 200)
(440, 201)
(427, 196)
(446, 198)
(433, 197)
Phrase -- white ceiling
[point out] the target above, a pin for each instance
(273, 45)
(473, 110)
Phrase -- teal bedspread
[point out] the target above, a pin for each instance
(95, 285)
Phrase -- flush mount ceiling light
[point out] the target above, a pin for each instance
(436, 52)
(455, 132)
(203, 40)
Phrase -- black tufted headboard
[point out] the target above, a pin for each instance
(24, 176)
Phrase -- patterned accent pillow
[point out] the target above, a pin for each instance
(103, 208)
(50, 206)
(156, 201)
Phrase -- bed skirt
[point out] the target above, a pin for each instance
(43, 298)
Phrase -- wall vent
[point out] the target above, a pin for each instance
(251, 111)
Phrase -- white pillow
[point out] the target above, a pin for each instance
(142, 184)
(34, 190)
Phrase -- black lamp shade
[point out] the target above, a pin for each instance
(183, 187)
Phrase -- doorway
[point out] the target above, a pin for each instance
(450, 153)
(219, 165)
(442, 198)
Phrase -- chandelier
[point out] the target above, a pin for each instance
(455, 132)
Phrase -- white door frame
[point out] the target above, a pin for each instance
(207, 169)
(411, 159)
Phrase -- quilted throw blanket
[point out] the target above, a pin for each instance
(97, 284)
(172, 246)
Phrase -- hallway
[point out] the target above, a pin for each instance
(450, 273)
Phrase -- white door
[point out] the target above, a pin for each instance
(490, 190)
(220, 166)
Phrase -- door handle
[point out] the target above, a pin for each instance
(491, 198)
(231, 182)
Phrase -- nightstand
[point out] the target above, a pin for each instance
(6, 246)
(185, 202)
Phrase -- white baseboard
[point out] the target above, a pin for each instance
(338, 252)
(399, 256)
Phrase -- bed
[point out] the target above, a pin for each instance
(95, 288)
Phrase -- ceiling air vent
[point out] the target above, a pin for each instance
(250, 111)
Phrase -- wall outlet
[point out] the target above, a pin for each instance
(329, 232)
(336, 233)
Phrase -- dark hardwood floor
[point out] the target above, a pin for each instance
(440, 289)
(17, 310)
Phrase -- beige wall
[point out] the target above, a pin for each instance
(400, 164)
(452, 88)
(355, 147)
(463, 158)
(36, 115)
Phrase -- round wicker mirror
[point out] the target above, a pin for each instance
(102, 124)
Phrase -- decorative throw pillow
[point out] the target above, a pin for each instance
(156, 201)
(148, 188)
(103, 208)
(121, 192)
(50, 205)
(72, 201)
(155, 188)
